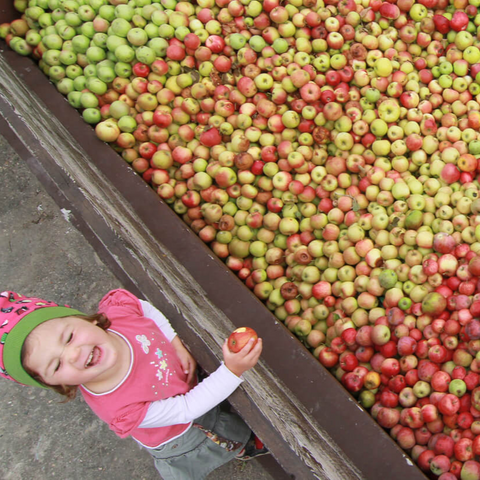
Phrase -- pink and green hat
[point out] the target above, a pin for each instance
(19, 315)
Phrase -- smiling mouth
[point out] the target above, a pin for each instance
(93, 358)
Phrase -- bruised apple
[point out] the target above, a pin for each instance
(240, 337)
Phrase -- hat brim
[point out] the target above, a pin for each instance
(12, 350)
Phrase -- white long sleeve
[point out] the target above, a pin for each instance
(195, 403)
(159, 318)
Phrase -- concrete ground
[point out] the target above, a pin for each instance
(42, 254)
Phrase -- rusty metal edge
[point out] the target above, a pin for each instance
(363, 441)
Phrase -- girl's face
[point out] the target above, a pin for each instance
(73, 351)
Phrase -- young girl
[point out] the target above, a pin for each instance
(136, 375)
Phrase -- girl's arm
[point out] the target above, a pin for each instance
(207, 394)
(195, 403)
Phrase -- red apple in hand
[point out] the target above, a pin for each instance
(240, 337)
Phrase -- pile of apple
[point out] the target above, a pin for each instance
(327, 151)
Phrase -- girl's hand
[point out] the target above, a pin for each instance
(245, 359)
(188, 363)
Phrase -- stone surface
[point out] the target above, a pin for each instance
(41, 438)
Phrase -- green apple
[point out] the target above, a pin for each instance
(80, 43)
(418, 12)
(338, 61)
(457, 387)
(238, 41)
(166, 31)
(181, 33)
(106, 74)
(389, 111)
(471, 55)
(125, 12)
(68, 46)
(280, 45)
(344, 141)
(381, 147)
(56, 73)
(67, 57)
(256, 42)
(169, 4)
(79, 82)
(383, 67)
(73, 19)
(159, 17)
(151, 30)
(50, 57)
(92, 115)
(379, 127)
(127, 124)
(119, 109)
(159, 46)
(107, 12)
(460, 68)
(73, 71)
(57, 14)
(445, 68)
(45, 20)
(88, 100)
(96, 4)
(400, 191)
(74, 99)
(264, 81)
(125, 53)
(123, 69)
(95, 54)
(148, 9)
(34, 12)
(120, 27)
(95, 85)
(463, 40)
(372, 95)
(48, 31)
(88, 29)
(90, 71)
(86, 13)
(145, 55)
(474, 147)
(137, 37)
(100, 40)
(33, 38)
(52, 41)
(65, 86)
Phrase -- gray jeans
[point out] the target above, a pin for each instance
(192, 456)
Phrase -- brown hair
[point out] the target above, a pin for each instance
(69, 391)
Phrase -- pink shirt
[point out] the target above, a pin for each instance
(155, 374)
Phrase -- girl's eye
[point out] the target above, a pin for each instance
(70, 338)
(57, 367)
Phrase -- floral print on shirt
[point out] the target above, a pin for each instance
(160, 359)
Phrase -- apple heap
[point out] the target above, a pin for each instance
(327, 151)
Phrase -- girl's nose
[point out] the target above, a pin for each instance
(72, 353)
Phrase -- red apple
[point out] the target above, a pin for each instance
(240, 337)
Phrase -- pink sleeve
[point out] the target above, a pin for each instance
(129, 418)
(128, 302)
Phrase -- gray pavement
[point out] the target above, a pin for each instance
(42, 254)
